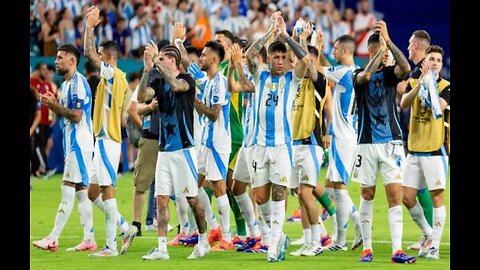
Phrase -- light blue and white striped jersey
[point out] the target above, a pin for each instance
(76, 95)
(249, 113)
(141, 35)
(216, 135)
(344, 117)
(274, 101)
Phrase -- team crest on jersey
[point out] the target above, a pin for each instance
(79, 104)
(215, 99)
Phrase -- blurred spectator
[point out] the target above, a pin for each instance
(258, 26)
(363, 27)
(35, 35)
(79, 29)
(104, 30)
(253, 10)
(216, 23)
(50, 34)
(110, 12)
(236, 24)
(202, 31)
(122, 37)
(125, 8)
(66, 30)
(166, 18)
(338, 27)
(140, 29)
(349, 18)
(134, 80)
(74, 6)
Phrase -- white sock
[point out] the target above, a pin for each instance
(86, 215)
(122, 223)
(111, 216)
(192, 222)
(419, 218)
(277, 218)
(209, 216)
(323, 231)
(366, 214)
(99, 203)
(439, 216)
(395, 220)
(63, 212)
(354, 214)
(162, 243)
(307, 235)
(315, 234)
(334, 227)
(264, 221)
(202, 238)
(182, 206)
(224, 214)
(343, 204)
(246, 209)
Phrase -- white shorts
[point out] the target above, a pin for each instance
(307, 160)
(389, 157)
(106, 158)
(176, 173)
(212, 164)
(341, 160)
(425, 171)
(272, 165)
(78, 167)
(243, 171)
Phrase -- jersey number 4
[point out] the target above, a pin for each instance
(273, 98)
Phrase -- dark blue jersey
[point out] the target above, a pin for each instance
(377, 109)
(176, 114)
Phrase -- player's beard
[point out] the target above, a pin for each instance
(61, 72)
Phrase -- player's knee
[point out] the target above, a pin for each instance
(368, 194)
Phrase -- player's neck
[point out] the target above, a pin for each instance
(348, 61)
(418, 59)
(212, 71)
(69, 74)
(112, 63)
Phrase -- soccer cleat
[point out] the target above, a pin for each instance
(325, 241)
(214, 236)
(282, 246)
(223, 245)
(367, 256)
(190, 241)
(358, 238)
(312, 250)
(176, 241)
(127, 239)
(299, 251)
(425, 243)
(237, 242)
(46, 244)
(85, 245)
(150, 228)
(199, 251)
(417, 245)
(401, 257)
(299, 242)
(105, 252)
(257, 248)
(334, 247)
(296, 216)
(156, 254)
(249, 243)
(433, 254)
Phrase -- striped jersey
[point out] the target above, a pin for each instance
(344, 117)
(216, 134)
(249, 113)
(76, 95)
(274, 101)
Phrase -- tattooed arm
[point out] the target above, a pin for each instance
(178, 36)
(90, 52)
(203, 109)
(236, 58)
(232, 85)
(49, 100)
(372, 66)
(177, 85)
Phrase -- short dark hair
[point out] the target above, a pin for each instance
(422, 34)
(374, 39)
(111, 46)
(436, 49)
(241, 42)
(90, 67)
(133, 76)
(71, 49)
(191, 49)
(277, 46)
(162, 43)
(227, 34)
(174, 52)
(313, 50)
(217, 48)
(348, 42)
(39, 65)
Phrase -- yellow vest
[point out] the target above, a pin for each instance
(119, 87)
(303, 111)
(426, 133)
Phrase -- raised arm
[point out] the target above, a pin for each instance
(327, 109)
(402, 66)
(232, 85)
(301, 66)
(322, 60)
(311, 70)
(178, 37)
(246, 85)
(255, 48)
(147, 67)
(408, 98)
(364, 76)
(92, 18)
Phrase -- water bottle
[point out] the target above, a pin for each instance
(299, 26)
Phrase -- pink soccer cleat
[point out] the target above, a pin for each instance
(46, 244)
(85, 245)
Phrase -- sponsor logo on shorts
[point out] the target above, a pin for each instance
(438, 183)
(398, 177)
(185, 190)
(283, 179)
(304, 178)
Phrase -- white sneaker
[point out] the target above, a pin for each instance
(299, 251)
(151, 228)
(156, 254)
(200, 250)
(105, 252)
(127, 238)
(313, 250)
(299, 242)
(433, 254)
(425, 243)
(416, 245)
(337, 247)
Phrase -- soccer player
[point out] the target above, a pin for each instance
(106, 127)
(176, 171)
(427, 160)
(74, 110)
(272, 152)
(380, 139)
(343, 145)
